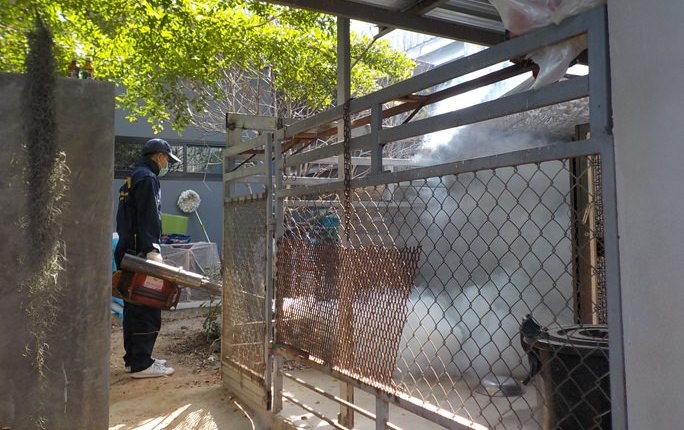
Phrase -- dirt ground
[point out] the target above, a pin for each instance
(191, 399)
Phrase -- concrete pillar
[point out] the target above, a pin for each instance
(73, 392)
(647, 60)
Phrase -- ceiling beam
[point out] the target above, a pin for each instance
(482, 10)
(425, 6)
(389, 18)
(419, 9)
(471, 12)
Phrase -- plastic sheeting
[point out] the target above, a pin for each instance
(521, 16)
(198, 257)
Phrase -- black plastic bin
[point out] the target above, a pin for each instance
(575, 387)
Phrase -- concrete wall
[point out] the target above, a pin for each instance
(647, 61)
(75, 391)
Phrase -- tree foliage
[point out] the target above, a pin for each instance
(170, 55)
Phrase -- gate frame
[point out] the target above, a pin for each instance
(255, 390)
(596, 86)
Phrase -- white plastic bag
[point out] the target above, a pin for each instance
(553, 61)
(521, 16)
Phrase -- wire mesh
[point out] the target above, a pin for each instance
(499, 251)
(345, 313)
(244, 332)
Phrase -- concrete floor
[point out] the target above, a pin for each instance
(518, 412)
(182, 408)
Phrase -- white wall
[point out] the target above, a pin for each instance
(210, 209)
(647, 60)
(210, 191)
(142, 128)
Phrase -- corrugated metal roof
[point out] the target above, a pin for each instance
(476, 13)
(474, 21)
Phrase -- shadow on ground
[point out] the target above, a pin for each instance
(191, 399)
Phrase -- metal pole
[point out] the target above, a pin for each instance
(277, 396)
(601, 125)
(233, 137)
(376, 148)
(600, 111)
(277, 390)
(381, 413)
(346, 417)
(268, 305)
(279, 174)
(277, 377)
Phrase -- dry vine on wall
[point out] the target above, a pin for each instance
(46, 176)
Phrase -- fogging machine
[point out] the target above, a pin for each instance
(154, 284)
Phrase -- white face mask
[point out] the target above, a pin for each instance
(163, 170)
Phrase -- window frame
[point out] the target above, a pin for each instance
(173, 174)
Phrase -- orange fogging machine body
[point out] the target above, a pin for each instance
(154, 284)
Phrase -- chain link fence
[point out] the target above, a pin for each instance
(244, 332)
(478, 293)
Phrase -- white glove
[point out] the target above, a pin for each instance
(155, 256)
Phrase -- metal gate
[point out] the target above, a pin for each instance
(470, 292)
(246, 338)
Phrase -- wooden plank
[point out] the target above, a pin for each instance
(241, 384)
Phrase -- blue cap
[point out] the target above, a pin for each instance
(155, 145)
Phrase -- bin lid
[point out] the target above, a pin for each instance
(573, 339)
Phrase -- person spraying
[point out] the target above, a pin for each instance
(138, 224)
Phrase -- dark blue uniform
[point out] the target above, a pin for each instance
(138, 223)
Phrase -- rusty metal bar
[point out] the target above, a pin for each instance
(411, 404)
(510, 49)
(277, 384)
(335, 398)
(416, 102)
(314, 412)
(382, 411)
(544, 153)
(532, 99)
(270, 231)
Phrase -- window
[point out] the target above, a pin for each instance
(204, 159)
(197, 159)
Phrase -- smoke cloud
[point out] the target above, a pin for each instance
(496, 247)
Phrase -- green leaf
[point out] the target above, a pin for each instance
(173, 56)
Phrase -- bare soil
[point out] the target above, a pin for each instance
(192, 398)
